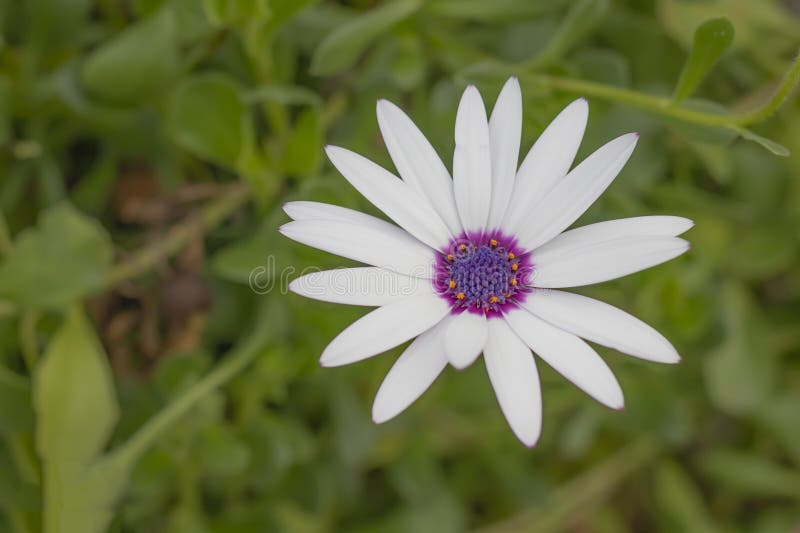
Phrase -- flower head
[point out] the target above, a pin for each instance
(471, 265)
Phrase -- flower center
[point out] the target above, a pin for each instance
(482, 274)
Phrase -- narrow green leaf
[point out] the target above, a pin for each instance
(751, 475)
(208, 117)
(342, 48)
(64, 258)
(680, 501)
(582, 17)
(301, 155)
(711, 39)
(137, 63)
(772, 146)
(73, 394)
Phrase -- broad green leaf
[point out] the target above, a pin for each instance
(16, 412)
(496, 10)
(76, 407)
(711, 40)
(283, 94)
(302, 153)
(140, 61)
(342, 48)
(61, 260)
(751, 474)
(56, 23)
(208, 117)
(76, 410)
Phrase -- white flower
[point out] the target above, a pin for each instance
(472, 266)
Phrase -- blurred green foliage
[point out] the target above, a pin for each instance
(132, 135)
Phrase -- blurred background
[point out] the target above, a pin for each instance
(145, 149)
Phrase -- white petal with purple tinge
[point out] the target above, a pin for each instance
(505, 131)
(472, 167)
(602, 323)
(392, 196)
(411, 375)
(512, 371)
(602, 261)
(569, 356)
(547, 162)
(576, 192)
(359, 286)
(417, 162)
(384, 328)
(464, 338)
(376, 243)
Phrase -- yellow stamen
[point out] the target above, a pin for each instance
(511, 255)
(462, 247)
(493, 242)
(493, 299)
(449, 257)
(460, 296)
(513, 282)
(452, 284)
(514, 267)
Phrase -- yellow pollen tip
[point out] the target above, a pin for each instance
(449, 257)
(460, 296)
(493, 242)
(511, 255)
(507, 295)
(462, 247)
(493, 299)
(452, 284)
(513, 282)
(514, 267)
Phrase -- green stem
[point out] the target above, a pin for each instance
(234, 363)
(581, 494)
(5, 236)
(665, 106)
(178, 236)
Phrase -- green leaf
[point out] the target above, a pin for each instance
(74, 394)
(301, 155)
(16, 414)
(55, 23)
(208, 117)
(772, 146)
(76, 410)
(137, 63)
(751, 475)
(342, 48)
(582, 17)
(496, 10)
(64, 258)
(283, 94)
(711, 40)
(680, 501)
(701, 132)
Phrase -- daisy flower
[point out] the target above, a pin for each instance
(476, 262)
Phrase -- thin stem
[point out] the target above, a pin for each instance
(178, 236)
(234, 363)
(665, 106)
(582, 493)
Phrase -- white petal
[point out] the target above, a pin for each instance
(384, 328)
(411, 375)
(418, 163)
(602, 323)
(650, 226)
(303, 210)
(359, 286)
(505, 130)
(512, 371)
(389, 194)
(569, 356)
(464, 339)
(472, 178)
(603, 261)
(547, 162)
(373, 241)
(576, 192)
